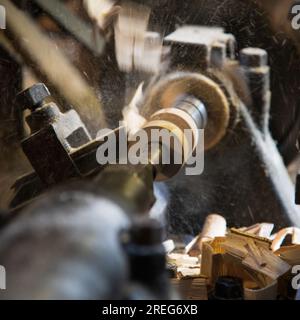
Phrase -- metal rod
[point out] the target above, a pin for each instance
(79, 29)
(52, 66)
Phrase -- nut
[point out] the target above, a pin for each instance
(33, 97)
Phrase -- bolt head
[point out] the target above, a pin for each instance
(146, 232)
(229, 288)
(33, 97)
(253, 57)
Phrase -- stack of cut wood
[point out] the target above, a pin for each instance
(264, 261)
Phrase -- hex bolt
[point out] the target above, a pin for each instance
(228, 288)
(142, 243)
(146, 232)
(254, 62)
(33, 97)
(253, 57)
